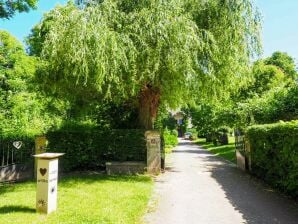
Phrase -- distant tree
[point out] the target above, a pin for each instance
(152, 51)
(8, 8)
(283, 61)
(266, 77)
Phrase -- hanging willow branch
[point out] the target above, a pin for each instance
(184, 49)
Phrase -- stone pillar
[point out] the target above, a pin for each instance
(47, 179)
(153, 152)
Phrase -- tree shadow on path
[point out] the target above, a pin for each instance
(255, 200)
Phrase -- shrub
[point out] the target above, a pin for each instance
(194, 133)
(90, 148)
(274, 153)
(170, 138)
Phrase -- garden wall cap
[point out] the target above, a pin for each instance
(152, 133)
(48, 155)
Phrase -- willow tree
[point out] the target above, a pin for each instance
(153, 51)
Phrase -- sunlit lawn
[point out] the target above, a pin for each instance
(81, 199)
(225, 151)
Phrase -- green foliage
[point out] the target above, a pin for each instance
(283, 61)
(275, 105)
(170, 138)
(165, 120)
(88, 147)
(105, 114)
(194, 133)
(270, 96)
(182, 50)
(22, 107)
(36, 38)
(274, 154)
(9, 7)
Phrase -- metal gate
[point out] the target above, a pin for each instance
(16, 161)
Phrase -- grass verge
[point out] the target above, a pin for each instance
(225, 151)
(81, 199)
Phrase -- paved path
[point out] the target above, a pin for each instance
(200, 188)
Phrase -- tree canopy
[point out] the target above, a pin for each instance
(168, 52)
(22, 107)
(8, 8)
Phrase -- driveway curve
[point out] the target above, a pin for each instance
(201, 188)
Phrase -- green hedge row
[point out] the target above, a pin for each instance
(91, 148)
(274, 153)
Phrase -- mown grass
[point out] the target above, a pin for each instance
(225, 151)
(81, 199)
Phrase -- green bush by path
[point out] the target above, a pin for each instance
(170, 138)
(274, 153)
(90, 148)
(81, 199)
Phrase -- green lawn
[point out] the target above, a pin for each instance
(81, 199)
(225, 151)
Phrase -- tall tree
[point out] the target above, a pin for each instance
(154, 51)
(8, 8)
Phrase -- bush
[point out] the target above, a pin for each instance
(194, 133)
(170, 138)
(274, 153)
(90, 148)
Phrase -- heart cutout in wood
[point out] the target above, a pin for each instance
(17, 144)
(43, 171)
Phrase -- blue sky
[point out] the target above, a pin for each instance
(280, 18)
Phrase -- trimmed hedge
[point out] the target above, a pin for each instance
(91, 148)
(274, 154)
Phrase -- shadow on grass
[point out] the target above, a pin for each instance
(70, 180)
(16, 208)
(75, 178)
(15, 186)
(225, 151)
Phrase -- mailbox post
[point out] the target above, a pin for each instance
(47, 179)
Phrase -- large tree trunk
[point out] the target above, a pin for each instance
(149, 99)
